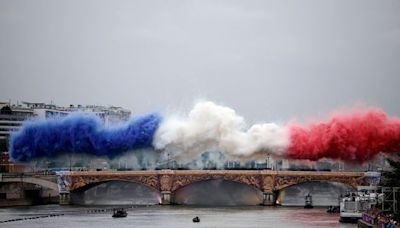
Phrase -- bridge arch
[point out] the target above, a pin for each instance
(315, 181)
(92, 184)
(115, 192)
(32, 180)
(180, 182)
(324, 193)
(283, 182)
(79, 181)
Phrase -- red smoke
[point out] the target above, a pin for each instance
(355, 137)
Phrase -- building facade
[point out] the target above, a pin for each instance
(12, 117)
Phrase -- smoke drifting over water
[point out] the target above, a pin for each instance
(353, 137)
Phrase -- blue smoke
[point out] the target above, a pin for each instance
(81, 133)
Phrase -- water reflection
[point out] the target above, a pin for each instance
(175, 216)
(218, 192)
(323, 193)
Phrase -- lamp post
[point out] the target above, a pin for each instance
(267, 161)
(70, 162)
(168, 161)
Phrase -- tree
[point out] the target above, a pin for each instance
(392, 178)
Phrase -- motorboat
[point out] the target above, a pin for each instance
(119, 213)
(196, 219)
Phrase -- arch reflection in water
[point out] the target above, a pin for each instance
(218, 192)
(116, 193)
(323, 193)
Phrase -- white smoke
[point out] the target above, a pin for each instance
(210, 127)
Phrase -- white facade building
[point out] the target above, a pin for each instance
(12, 117)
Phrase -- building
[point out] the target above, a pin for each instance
(12, 117)
(110, 114)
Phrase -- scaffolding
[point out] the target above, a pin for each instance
(390, 201)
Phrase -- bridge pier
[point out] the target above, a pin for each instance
(65, 198)
(268, 199)
(166, 197)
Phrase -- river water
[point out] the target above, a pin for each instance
(170, 216)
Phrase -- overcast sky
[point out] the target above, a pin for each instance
(269, 60)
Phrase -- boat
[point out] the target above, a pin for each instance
(308, 203)
(333, 209)
(354, 204)
(196, 219)
(119, 213)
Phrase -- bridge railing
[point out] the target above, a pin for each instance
(27, 174)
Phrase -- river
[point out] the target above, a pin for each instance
(169, 216)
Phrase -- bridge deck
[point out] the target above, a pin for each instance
(221, 172)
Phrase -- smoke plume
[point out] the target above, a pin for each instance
(210, 127)
(353, 137)
(81, 133)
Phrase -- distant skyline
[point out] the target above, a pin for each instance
(268, 60)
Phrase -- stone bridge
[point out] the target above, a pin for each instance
(167, 182)
(46, 181)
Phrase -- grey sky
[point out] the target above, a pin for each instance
(269, 60)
